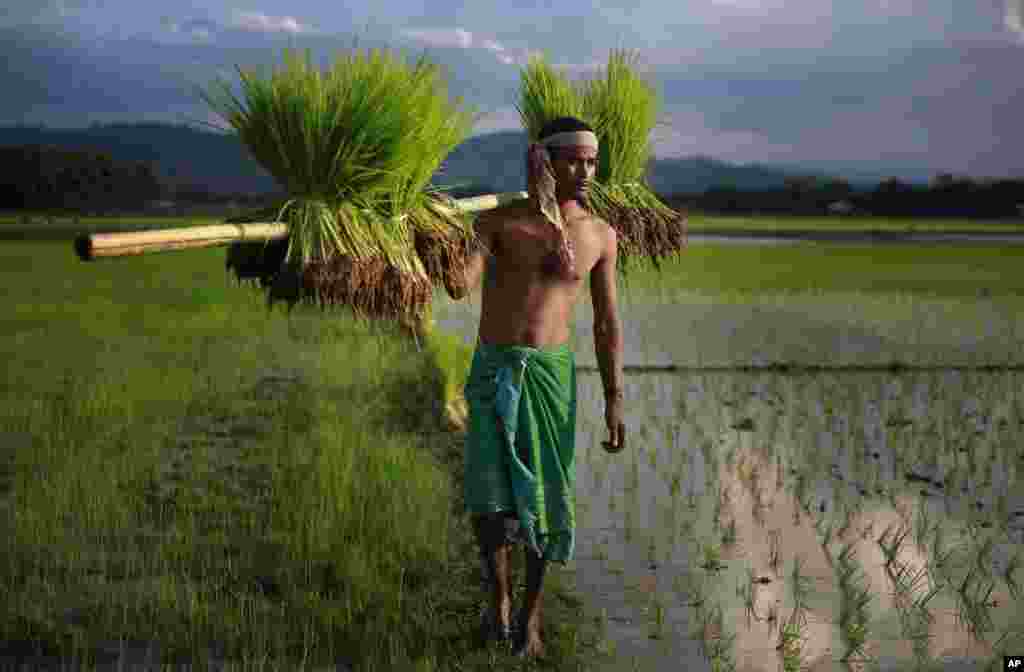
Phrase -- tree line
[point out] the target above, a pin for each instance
(42, 177)
(78, 180)
(946, 196)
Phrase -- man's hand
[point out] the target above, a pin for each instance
(616, 426)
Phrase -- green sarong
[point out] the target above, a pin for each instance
(520, 448)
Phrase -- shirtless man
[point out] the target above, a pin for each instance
(521, 488)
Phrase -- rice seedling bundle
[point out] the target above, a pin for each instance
(354, 148)
(621, 108)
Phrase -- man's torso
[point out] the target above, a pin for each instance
(526, 300)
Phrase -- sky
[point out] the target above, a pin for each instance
(908, 87)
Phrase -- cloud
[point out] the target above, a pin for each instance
(1015, 17)
(263, 23)
(460, 38)
(441, 37)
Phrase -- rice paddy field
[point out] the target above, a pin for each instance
(823, 464)
(189, 483)
(824, 448)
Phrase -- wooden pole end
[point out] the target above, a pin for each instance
(83, 247)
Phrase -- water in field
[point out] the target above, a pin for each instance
(730, 478)
(894, 494)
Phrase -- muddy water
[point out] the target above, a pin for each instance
(785, 456)
(821, 445)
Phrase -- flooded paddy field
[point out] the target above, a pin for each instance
(893, 496)
(855, 507)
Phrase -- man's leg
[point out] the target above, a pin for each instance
(530, 616)
(495, 547)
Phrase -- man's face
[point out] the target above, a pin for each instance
(574, 168)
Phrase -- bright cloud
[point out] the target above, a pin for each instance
(263, 23)
(459, 38)
(441, 37)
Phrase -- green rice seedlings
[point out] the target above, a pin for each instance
(690, 590)
(355, 149)
(1012, 565)
(854, 598)
(1002, 647)
(973, 607)
(938, 556)
(800, 585)
(774, 544)
(729, 534)
(628, 525)
(791, 633)
(747, 591)
(922, 525)
(825, 530)
(652, 456)
(675, 485)
(605, 645)
(716, 641)
(712, 555)
(790, 647)
(890, 543)
(657, 610)
(848, 515)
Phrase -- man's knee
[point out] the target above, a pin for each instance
(494, 530)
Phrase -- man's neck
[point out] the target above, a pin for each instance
(571, 207)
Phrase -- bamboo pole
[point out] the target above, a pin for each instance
(101, 245)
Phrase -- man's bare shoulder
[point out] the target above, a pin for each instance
(601, 225)
(605, 231)
(493, 221)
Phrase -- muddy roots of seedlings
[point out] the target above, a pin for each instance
(647, 229)
(371, 288)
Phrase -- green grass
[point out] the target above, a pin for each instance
(156, 484)
(922, 269)
(12, 221)
(697, 222)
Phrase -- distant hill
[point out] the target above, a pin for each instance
(181, 154)
(495, 161)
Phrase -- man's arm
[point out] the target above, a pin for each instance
(484, 228)
(607, 329)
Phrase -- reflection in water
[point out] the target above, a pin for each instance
(826, 465)
(878, 485)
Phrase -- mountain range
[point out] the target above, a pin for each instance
(493, 162)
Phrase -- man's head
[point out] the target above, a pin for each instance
(572, 146)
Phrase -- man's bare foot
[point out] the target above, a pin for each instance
(496, 624)
(533, 647)
(529, 643)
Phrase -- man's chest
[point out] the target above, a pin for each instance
(531, 249)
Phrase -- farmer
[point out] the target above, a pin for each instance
(521, 391)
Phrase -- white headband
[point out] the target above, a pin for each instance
(571, 139)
